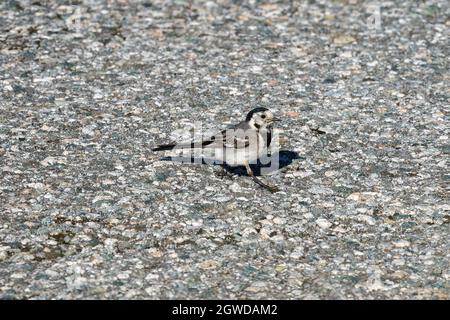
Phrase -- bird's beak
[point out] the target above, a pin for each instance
(276, 119)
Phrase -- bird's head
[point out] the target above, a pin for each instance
(260, 118)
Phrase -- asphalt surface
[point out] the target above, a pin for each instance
(87, 88)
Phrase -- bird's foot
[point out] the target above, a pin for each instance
(272, 189)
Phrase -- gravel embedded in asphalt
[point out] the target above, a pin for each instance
(88, 211)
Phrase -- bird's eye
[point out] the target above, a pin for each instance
(263, 116)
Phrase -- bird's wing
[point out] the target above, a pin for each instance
(236, 137)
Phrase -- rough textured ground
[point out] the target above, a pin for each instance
(88, 211)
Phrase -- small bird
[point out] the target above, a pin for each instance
(241, 144)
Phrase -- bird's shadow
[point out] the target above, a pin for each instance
(282, 159)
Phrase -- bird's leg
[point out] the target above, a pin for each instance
(255, 179)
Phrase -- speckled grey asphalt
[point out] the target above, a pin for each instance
(87, 88)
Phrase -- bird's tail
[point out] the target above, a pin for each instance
(164, 147)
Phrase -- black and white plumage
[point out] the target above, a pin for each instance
(241, 144)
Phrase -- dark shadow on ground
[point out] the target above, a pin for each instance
(285, 158)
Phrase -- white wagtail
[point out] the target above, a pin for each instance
(241, 144)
